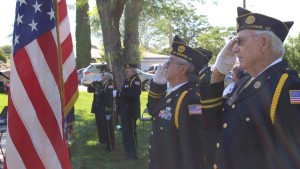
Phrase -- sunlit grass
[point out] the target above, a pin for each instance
(86, 153)
(3, 101)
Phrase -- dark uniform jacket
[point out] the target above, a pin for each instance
(108, 88)
(129, 97)
(249, 138)
(97, 89)
(177, 138)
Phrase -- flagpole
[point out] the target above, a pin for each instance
(62, 86)
(62, 89)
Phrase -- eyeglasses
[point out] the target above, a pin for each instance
(240, 40)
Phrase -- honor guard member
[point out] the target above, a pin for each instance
(129, 97)
(177, 139)
(259, 123)
(108, 87)
(96, 87)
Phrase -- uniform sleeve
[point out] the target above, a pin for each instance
(134, 91)
(212, 104)
(287, 125)
(155, 94)
(90, 88)
(191, 132)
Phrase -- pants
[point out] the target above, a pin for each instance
(100, 122)
(109, 134)
(129, 136)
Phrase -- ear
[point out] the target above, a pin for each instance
(264, 43)
(184, 69)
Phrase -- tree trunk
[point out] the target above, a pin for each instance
(110, 13)
(83, 36)
(131, 38)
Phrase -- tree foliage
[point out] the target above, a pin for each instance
(160, 21)
(215, 38)
(5, 52)
(2, 56)
(83, 34)
(292, 47)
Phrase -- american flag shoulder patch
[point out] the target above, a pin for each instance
(195, 109)
(137, 83)
(295, 96)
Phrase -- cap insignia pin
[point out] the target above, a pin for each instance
(181, 49)
(250, 19)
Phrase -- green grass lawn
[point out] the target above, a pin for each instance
(86, 153)
(3, 101)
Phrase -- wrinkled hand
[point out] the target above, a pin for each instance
(159, 76)
(226, 58)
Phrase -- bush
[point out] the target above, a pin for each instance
(3, 56)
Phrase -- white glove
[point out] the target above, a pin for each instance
(226, 58)
(108, 117)
(115, 93)
(159, 76)
(98, 78)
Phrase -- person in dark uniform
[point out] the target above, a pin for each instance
(96, 87)
(177, 138)
(259, 123)
(204, 75)
(108, 87)
(129, 109)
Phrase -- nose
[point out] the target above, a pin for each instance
(235, 48)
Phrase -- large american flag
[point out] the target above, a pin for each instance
(37, 99)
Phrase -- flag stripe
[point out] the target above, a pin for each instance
(62, 8)
(46, 125)
(45, 44)
(12, 154)
(67, 51)
(21, 142)
(43, 71)
(69, 68)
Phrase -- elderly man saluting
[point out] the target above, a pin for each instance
(177, 138)
(259, 123)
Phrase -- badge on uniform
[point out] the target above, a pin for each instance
(165, 114)
(195, 109)
(169, 100)
(295, 96)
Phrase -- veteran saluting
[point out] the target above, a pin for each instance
(177, 138)
(259, 122)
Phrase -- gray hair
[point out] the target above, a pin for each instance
(191, 74)
(134, 70)
(108, 75)
(275, 42)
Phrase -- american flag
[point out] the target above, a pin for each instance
(295, 96)
(35, 133)
(69, 68)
